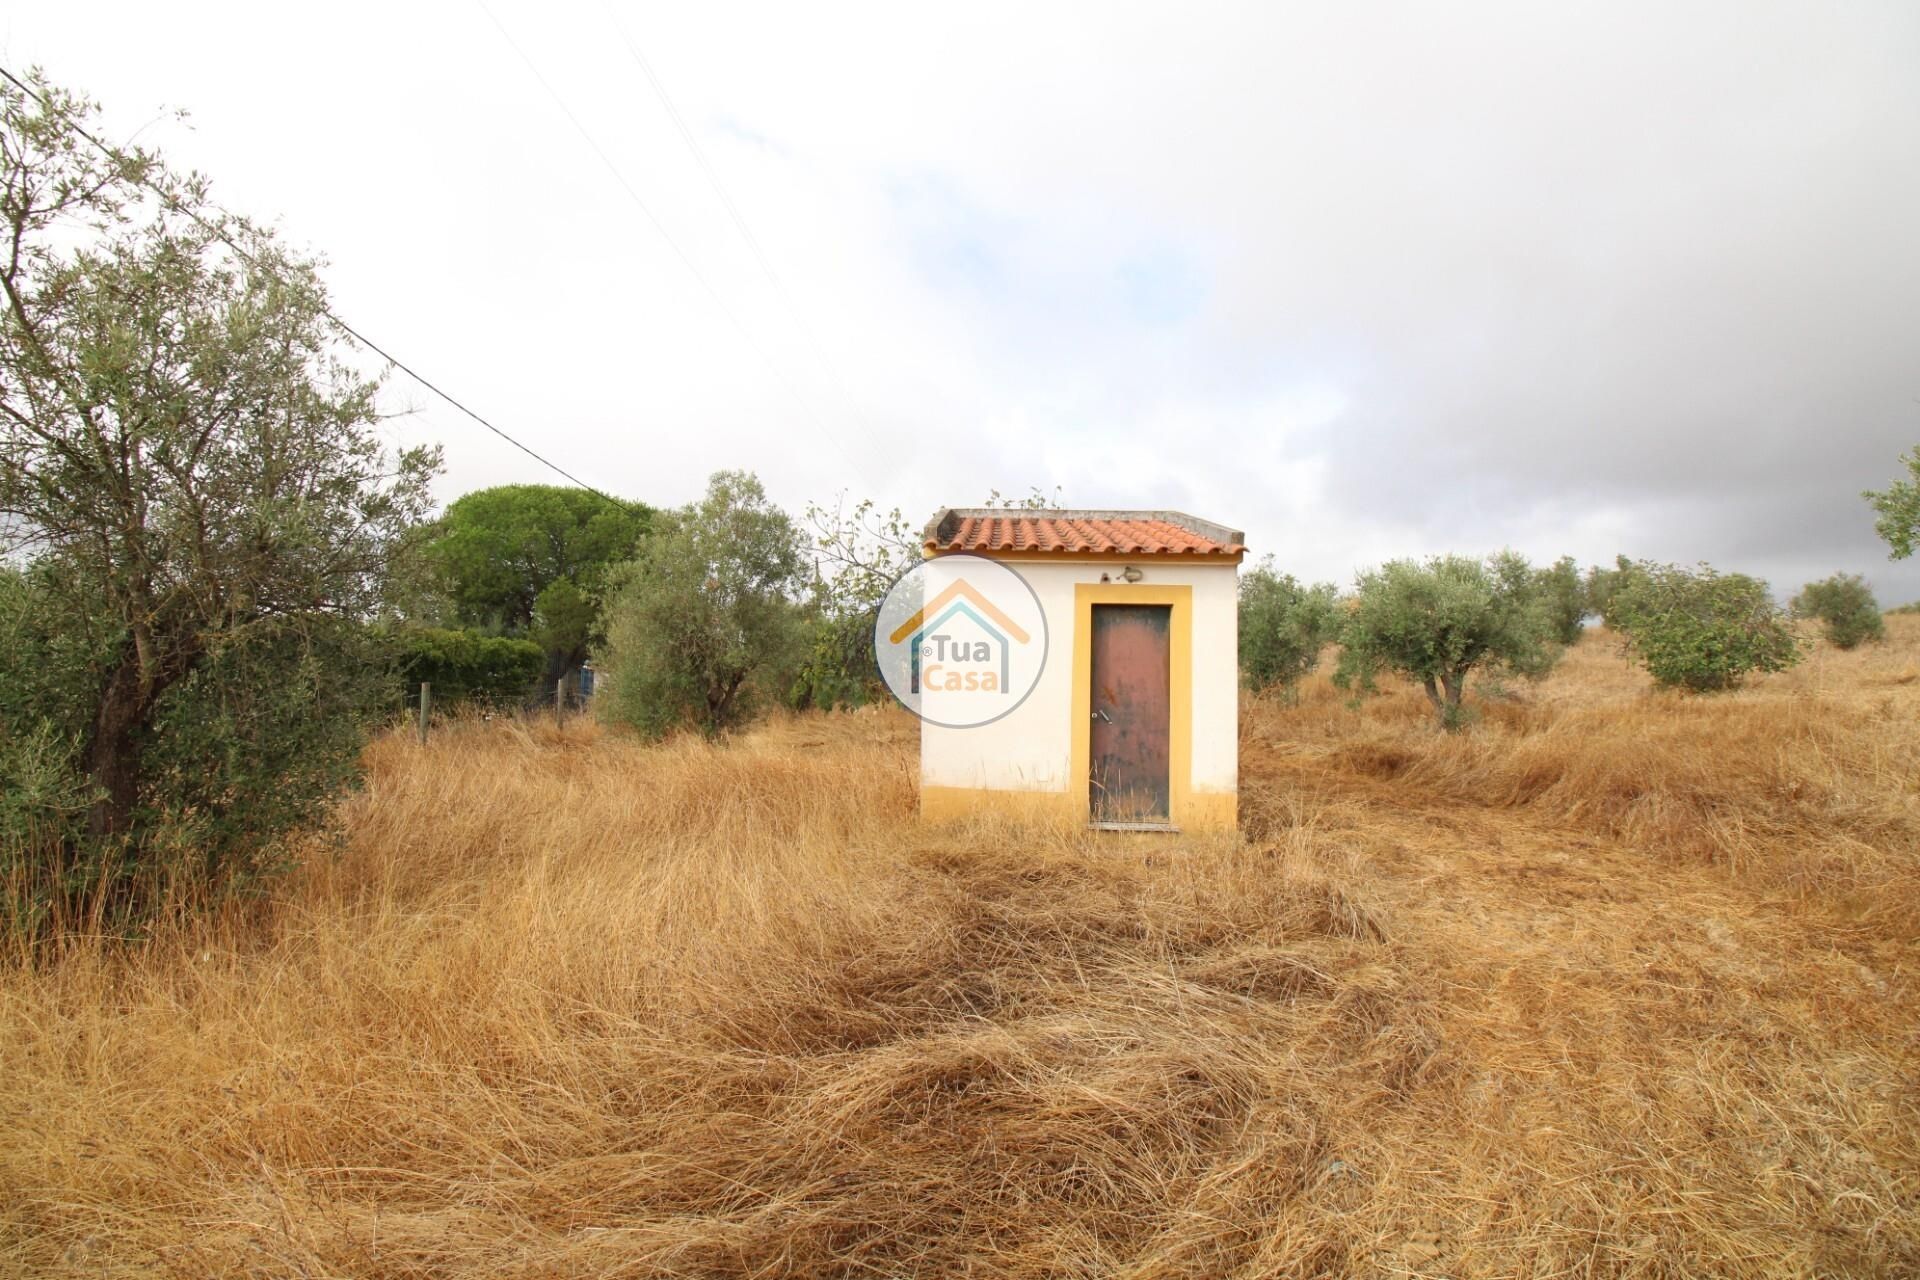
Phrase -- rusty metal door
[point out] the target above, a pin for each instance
(1128, 755)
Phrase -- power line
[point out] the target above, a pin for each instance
(119, 157)
(719, 303)
(713, 178)
(733, 210)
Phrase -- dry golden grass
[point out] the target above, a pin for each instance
(1612, 983)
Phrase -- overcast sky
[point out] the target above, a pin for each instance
(1363, 281)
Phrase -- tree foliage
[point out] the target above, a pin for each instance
(189, 466)
(1604, 587)
(1438, 621)
(858, 552)
(262, 737)
(530, 560)
(255, 742)
(1700, 629)
(464, 666)
(565, 622)
(1564, 595)
(706, 613)
(1845, 606)
(46, 695)
(497, 549)
(1284, 624)
(1898, 506)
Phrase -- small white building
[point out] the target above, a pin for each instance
(1133, 718)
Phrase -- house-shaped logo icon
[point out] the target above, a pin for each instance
(960, 640)
(959, 600)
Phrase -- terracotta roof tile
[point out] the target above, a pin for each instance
(985, 531)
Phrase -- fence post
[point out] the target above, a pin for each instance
(426, 698)
(560, 697)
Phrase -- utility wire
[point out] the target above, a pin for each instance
(720, 190)
(773, 368)
(252, 260)
(739, 220)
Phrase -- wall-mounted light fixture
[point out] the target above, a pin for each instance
(1132, 573)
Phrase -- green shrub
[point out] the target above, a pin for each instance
(468, 666)
(1283, 626)
(1564, 596)
(249, 749)
(835, 666)
(1700, 629)
(1845, 606)
(706, 617)
(1436, 622)
(258, 743)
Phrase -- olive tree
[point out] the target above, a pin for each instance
(188, 464)
(1898, 506)
(1436, 622)
(1283, 626)
(1564, 594)
(706, 613)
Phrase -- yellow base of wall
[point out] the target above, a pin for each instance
(1210, 811)
(958, 804)
(1198, 810)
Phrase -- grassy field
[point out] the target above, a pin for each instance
(1612, 983)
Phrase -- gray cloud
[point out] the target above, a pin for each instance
(1365, 281)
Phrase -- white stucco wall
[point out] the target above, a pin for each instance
(1031, 749)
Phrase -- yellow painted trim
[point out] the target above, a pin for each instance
(959, 804)
(1206, 811)
(1179, 689)
(1211, 811)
